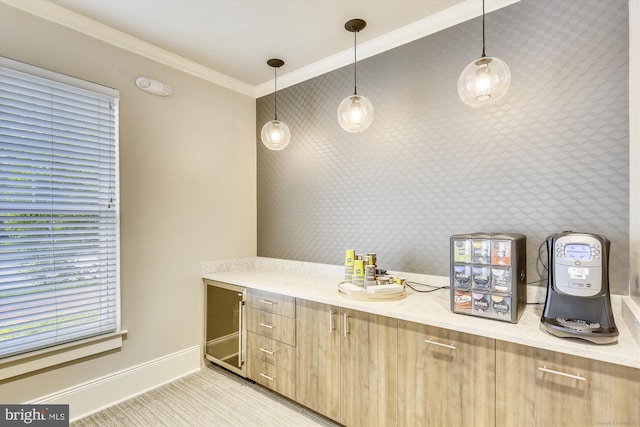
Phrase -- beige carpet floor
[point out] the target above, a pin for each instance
(212, 397)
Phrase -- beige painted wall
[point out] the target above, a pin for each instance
(188, 192)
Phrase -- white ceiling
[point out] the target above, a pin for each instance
(229, 41)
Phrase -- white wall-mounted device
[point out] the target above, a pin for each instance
(153, 86)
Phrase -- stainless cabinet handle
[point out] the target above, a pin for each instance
(332, 326)
(264, 350)
(346, 324)
(451, 346)
(264, 325)
(267, 377)
(266, 301)
(563, 374)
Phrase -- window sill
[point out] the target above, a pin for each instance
(29, 362)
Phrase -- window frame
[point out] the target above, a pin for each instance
(57, 353)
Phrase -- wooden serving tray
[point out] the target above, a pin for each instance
(363, 295)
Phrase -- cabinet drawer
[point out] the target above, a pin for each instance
(542, 387)
(437, 365)
(432, 341)
(277, 379)
(272, 325)
(272, 303)
(271, 351)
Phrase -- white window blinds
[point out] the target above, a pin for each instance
(59, 218)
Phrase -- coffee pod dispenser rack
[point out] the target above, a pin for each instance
(488, 275)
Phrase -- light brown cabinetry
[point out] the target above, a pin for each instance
(347, 364)
(369, 369)
(318, 357)
(274, 326)
(538, 387)
(363, 369)
(271, 351)
(445, 378)
(271, 340)
(272, 303)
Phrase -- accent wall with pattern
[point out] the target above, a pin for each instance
(553, 155)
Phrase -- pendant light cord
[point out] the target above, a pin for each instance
(275, 93)
(355, 61)
(483, 53)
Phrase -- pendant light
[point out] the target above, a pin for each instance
(275, 134)
(485, 80)
(355, 112)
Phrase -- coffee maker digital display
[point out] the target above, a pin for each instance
(578, 303)
(577, 251)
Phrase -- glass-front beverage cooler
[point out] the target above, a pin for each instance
(225, 332)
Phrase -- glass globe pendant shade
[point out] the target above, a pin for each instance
(484, 81)
(355, 113)
(275, 135)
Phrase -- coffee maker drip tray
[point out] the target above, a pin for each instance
(578, 325)
(570, 328)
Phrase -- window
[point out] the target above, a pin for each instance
(59, 215)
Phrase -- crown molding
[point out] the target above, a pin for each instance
(431, 24)
(59, 15)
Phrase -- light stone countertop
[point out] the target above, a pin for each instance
(318, 282)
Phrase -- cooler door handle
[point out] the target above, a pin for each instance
(240, 337)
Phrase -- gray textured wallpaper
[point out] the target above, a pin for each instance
(551, 156)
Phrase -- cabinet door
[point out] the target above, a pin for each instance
(541, 388)
(445, 378)
(318, 357)
(369, 369)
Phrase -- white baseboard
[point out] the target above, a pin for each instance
(93, 396)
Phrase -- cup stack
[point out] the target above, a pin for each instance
(370, 275)
(358, 273)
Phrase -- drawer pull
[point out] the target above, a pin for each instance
(266, 301)
(451, 346)
(267, 377)
(264, 350)
(264, 325)
(563, 374)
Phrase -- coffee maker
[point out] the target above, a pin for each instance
(578, 303)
